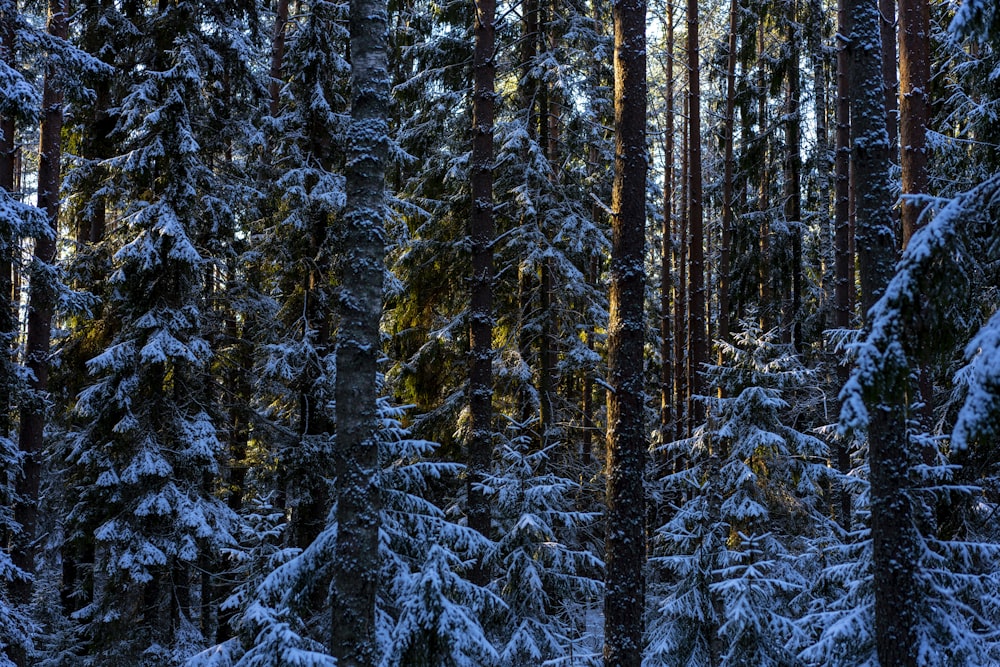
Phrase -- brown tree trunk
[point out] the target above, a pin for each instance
(41, 307)
(362, 263)
(793, 178)
(765, 277)
(481, 297)
(729, 171)
(667, 247)
(625, 520)
(681, 322)
(914, 107)
(697, 345)
(844, 281)
(895, 551)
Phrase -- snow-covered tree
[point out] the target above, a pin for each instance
(730, 559)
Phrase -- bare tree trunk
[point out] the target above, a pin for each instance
(887, 35)
(763, 192)
(625, 520)
(793, 177)
(844, 284)
(895, 550)
(681, 322)
(729, 170)
(41, 307)
(697, 346)
(666, 246)
(481, 297)
(356, 564)
(914, 107)
(8, 322)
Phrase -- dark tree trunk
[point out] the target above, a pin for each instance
(681, 322)
(729, 172)
(625, 545)
(697, 345)
(887, 35)
(8, 322)
(481, 297)
(41, 307)
(362, 263)
(277, 58)
(844, 281)
(765, 277)
(667, 246)
(895, 548)
(793, 178)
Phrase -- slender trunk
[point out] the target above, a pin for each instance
(697, 346)
(763, 191)
(277, 58)
(914, 108)
(887, 35)
(625, 520)
(895, 550)
(842, 203)
(729, 171)
(41, 307)
(356, 563)
(667, 246)
(481, 297)
(793, 177)
(824, 165)
(8, 322)
(681, 322)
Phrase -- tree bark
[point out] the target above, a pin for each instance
(481, 297)
(793, 177)
(697, 345)
(844, 283)
(356, 564)
(914, 107)
(41, 307)
(8, 322)
(667, 246)
(625, 519)
(887, 35)
(729, 171)
(895, 550)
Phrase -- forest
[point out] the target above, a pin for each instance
(518, 333)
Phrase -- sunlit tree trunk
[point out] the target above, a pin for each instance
(697, 345)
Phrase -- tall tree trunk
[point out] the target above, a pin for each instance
(844, 281)
(697, 346)
(793, 177)
(681, 322)
(625, 520)
(895, 550)
(887, 35)
(8, 322)
(914, 107)
(481, 297)
(360, 307)
(763, 190)
(667, 246)
(277, 58)
(41, 307)
(729, 172)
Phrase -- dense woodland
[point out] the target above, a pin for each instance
(490, 334)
